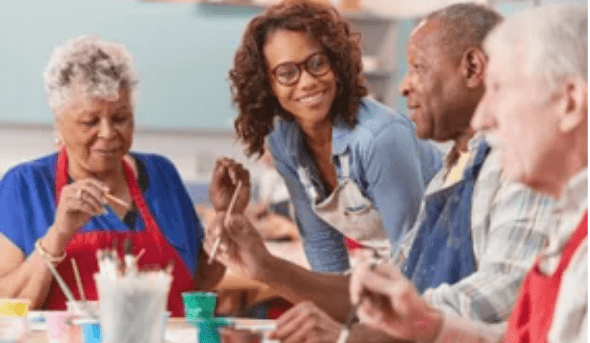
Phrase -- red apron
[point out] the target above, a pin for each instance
(83, 246)
(532, 316)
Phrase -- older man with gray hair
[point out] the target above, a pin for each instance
(536, 111)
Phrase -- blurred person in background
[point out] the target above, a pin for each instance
(55, 208)
(536, 110)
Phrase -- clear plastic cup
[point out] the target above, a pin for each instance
(12, 330)
(91, 331)
(13, 322)
(88, 308)
(90, 328)
(60, 327)
(132, 308)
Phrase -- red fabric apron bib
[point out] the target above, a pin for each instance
(532, 316)
(83, 247)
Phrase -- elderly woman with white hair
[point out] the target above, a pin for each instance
(59, 206)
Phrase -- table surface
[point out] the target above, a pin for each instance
(178, 330)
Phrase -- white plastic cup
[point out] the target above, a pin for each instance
(132, 308)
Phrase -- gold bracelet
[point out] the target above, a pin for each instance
(46, 255)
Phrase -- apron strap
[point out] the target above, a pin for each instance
(61, 173)
(572, 244)
(149, 221)
(344, 165)
(472, 172)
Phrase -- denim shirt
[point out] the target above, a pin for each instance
(388, 163)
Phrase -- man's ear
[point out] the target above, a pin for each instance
(574, 104)
(473, 66)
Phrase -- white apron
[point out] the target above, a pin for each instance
(347, 210)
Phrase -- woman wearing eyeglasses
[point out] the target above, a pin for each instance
(353, 166)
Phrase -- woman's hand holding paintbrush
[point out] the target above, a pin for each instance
(229, 192)
(227, 214)
(386, 300)
(77, 203)
(81, 200)
(223, 186)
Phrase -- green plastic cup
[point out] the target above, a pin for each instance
(199, 305)
(208, 328)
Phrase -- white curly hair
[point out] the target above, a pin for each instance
(90, 65)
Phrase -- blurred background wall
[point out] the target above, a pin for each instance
(182, 50)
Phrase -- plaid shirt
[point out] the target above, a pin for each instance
(570, 318)
(508, 230)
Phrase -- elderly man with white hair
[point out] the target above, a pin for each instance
(536, 111)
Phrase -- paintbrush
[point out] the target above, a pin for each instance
(117, 201)
(349, 320)
(138, 256)
(230, 208)
(78, 280)
(352, 314)
(62, 284)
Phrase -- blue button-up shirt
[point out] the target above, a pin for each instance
(388, 163)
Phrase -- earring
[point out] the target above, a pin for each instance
(58, 141)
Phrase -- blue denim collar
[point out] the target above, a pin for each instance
(341, 139)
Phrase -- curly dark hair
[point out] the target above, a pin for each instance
(250, 85)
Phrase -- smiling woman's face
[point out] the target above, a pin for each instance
(96, 132)
(309, 100)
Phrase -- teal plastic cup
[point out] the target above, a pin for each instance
(199, 305)
(208, 328)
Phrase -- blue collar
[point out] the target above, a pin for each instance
(341, 139)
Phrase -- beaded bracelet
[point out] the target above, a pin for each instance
(46, 255)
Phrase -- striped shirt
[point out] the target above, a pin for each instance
(570, 317)
(508, 230)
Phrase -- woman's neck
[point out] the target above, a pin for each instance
(113, 179)
(318, 140)
(318, 136)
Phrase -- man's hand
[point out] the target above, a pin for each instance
(391, 303)
(305, 322)
(241, 247)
